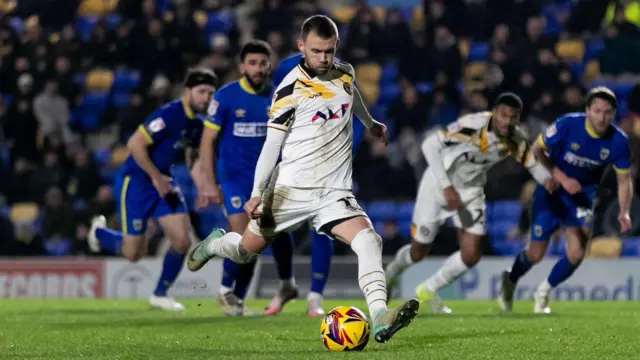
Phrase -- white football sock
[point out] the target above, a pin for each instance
(400, 263)
(314, 297)
(224, 289)
(228, 247)
(449, 272)
(368, 246)
(544, 287)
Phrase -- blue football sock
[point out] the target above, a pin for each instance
(243, 279)
(229, 272)
(171, 267)
(520, 266)
(561, 271)
(321, 252)
(110, 240)
(282, 246)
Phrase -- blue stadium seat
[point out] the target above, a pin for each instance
(577, 69)
(94, 102)
(404, 229)
(79, 78)
(602, 82)
(388, 93)
(478, 52)
(506, 248)
(378, 225)
(379, 112)
(389, 73)
(500, 228)
(488, 212)
(424, 87)
(593, 48)
(506, 211)
(405, 211)
(84, 26)
(126, 79)
(382, 210)
(90, 122)
(113, 20)
(102, 156)
(220, 22)
(364, 205)
(120, 99)
(631, 247)
(622, 89)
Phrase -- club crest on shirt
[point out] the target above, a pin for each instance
(551, 131)
(236, 202)
(347, 88)
(604, 153)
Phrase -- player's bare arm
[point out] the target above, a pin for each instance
(208, 192)
(625, 195)
(138, 146)
(377, 129)
(572, 186)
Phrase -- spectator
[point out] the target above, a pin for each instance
(57, 223)
(445, 55)
(409, 110)
(622, 47)
(52, 111)
(84, 180)
(20, 130)
(363, 43)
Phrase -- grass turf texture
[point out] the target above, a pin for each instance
(128, 329)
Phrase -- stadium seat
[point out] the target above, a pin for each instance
(382, 210)
(507, 211)
(404, 229)
(577, 70)
(475, 71)
(368, 73)
(418, 16)
(126, 79)
(478, 52)
(593, 49)
(405, 211)
(99, 81)
(120, 99)
(344, 14)
(101, 156)
(219, 22)
(631, 247)
(119, 155)
(605, 247)
(24, 213)
(602, 82)
(199, 17)
(424, 87)
(622, 89)
(96, 7)
(388, 93)
(570, 50)
(378, 226)
(370, 92)
(389, 73)
(95, 103)
(89, 122)
(379, 13)
(505, 248)
(84, 26)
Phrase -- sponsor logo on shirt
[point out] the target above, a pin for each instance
(242, 129)
(580, 161)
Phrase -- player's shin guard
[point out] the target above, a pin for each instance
(449, 272)
(228, 247)
(110, 240)
(229, 274)
(368, 246)
(282, 246)
(243, 279)
(321, 253)
(171, 267)
(561, 271)
(520, 266)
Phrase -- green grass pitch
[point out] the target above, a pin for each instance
(128, 329)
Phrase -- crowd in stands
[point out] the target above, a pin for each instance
(77, 77)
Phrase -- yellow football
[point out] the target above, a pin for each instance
(345, 328)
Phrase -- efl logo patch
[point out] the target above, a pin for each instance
(213, 108)
(156, 125)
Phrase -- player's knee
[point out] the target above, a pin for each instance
(244, 256)
(181, 244)
(576, 255)
(536, 252)
(470, 257)
(418, 251)
(132, 255)
(367, 241)
(134, 247)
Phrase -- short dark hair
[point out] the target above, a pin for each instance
(200, 76)
(509, 99)
(603, 93)
(255, 47)
(320, 25)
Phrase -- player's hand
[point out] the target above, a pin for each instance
(571, 185)
(550, 185)
(162, 183)
(207, 195)
(625, 222)
(452, 197)
(251, 207)
(379, 131)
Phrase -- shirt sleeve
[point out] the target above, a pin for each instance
(622, 162)
(553, 135)
(283, 107)
(157, 127)
(216, 113)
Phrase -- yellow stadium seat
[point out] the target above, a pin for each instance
(570, 50)
(119, 155)
(22, 213)
(592, 71)
(379, 13)
(418, 15)
(605, 247)
(475, 71)
(200, 17)
(463, 47)
(99, 80)
(96, 7)
(471, 85)
(370, 92)
(368, 73)
(344, 14)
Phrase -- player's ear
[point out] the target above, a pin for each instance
(241, 67)
(300, 45)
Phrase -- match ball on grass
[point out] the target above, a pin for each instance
(345, 328)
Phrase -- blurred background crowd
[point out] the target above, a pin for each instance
(78, 76)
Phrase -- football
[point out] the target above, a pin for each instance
(345, 328)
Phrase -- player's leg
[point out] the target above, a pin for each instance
(321, 253)
(346, 221)
(232, 301)
(543, 223)
(282, 246)
(471, 224)
(577, 240)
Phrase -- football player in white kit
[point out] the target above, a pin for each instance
(310, 123)
(453, 186)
